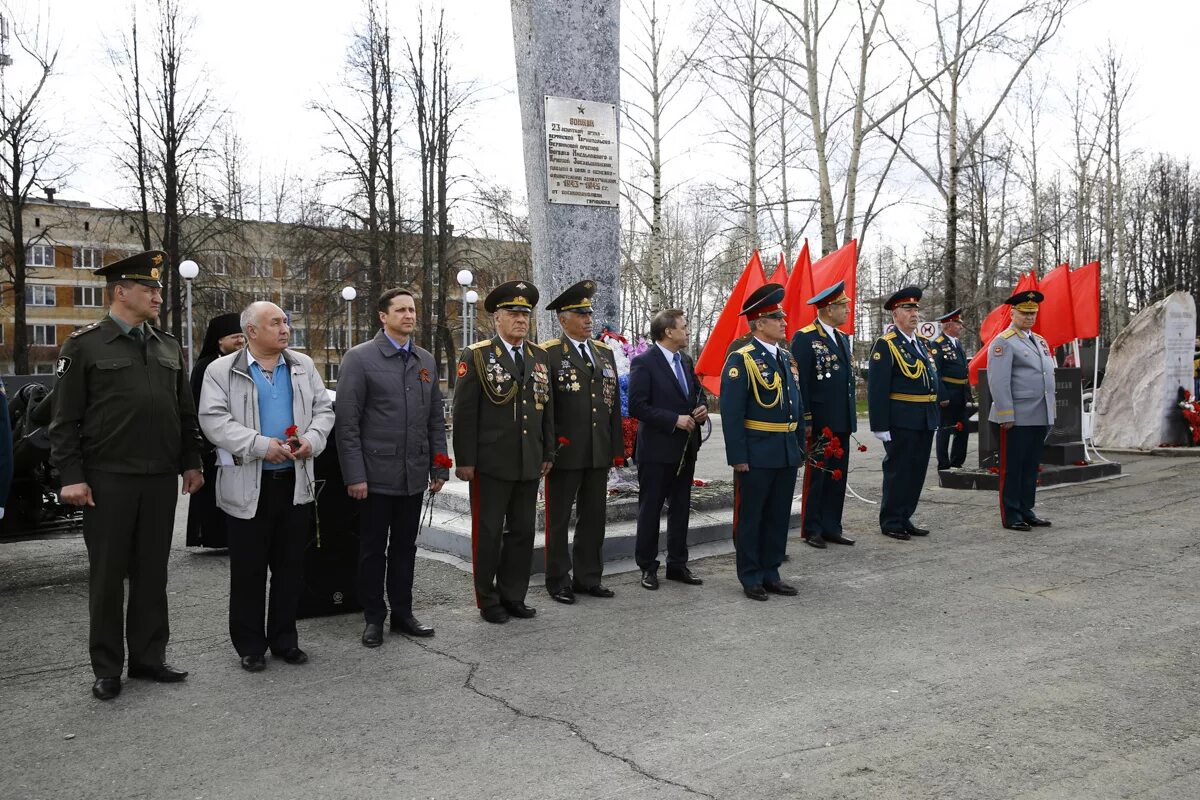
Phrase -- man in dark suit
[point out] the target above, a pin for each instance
(666, 397)
(952, 366)
(504, 443)
(823, 360)
(587, 413)
(902, 399)
(762, 418)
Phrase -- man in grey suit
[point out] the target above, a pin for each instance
(1020, 372)
(390, 428)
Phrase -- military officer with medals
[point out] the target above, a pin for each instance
(587, 413)
(762, 418)
(504, 446)
(823, 360)
(902, 400)
(123, 431)
(952, 363)
(1020, 374)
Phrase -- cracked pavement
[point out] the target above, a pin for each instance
(980, 663)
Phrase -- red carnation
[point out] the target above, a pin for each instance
(829, 451)
(698, 482)
(840, 453)
(958, 426)
(563, 441)
(443, 461)
(827, 432)
(836, 442)
(837, 474)
(862, 448)
(994, 470)
(291, 431)
(818, 464)
(618, 462)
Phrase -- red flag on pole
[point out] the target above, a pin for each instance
(995, 322)
(712, 358)
(755, 281)
(1085, 295)
(780, 275)
(1056, 317)
(797, 290)
(840, 265)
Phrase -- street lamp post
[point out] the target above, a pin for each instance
(472, 299)
(464, 280)
(348, 294)
(188, 270)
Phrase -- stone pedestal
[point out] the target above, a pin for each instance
(1147, 363)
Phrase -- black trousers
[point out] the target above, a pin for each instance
(762, 511)
(587, 491)
(275, 538)
(501, 538)
(904, 469)
(1020, 455)
(393, 555)
(952, 444)
(658, 483)
(128, 535)
(824, 498)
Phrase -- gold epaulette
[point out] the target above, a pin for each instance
(1009, 333)
(887, 337)
(809, 328)
(939, 340)
(481, 345)
(599, 343)
(745, 348)
(536, 347)
(546, 345)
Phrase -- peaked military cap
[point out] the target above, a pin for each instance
(834, 295)
(145, 268)
(513, 295)
(952, 316)
(1026, 300)
(909, 295)
(575, 298)
(763, 302)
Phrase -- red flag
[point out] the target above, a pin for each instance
(995, 322)
(780, 275)
(1056, 316)
(1085, 295)
(797, 291)
(712, 358)
(840, 265)
(753, 283)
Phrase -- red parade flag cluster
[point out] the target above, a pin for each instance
(728, 327)
(808, 278)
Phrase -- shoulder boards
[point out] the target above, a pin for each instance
(745, 348)
(887, 337)
(600, 344)
(939, 340)
(480, 345)
(809, 328)
(1008, 334)
(535, 347)
(1037, 336)
(546, 345)
(919, 336)
(168, 334)
(85, 329)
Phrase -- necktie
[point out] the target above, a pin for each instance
(519, 360)
(781, 362)
(583, 352)
(137, 335)
(683, 384)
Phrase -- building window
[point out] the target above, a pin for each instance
(37, 294)
(39, 255)
(87, 258)
(335, 339)
(337, 270)
(219, 266)
(89, 296)
(43, 369)
(41, 335)
(220, 301)
(260, 268)
(331, 372)
(295, 304)
(298, 338)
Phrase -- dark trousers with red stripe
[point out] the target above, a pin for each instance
(659, 483)
(1020, 455)
(825, 498)
(586, 490)
(387, 545)
(904, 469)
(502, 515)
(762, 510)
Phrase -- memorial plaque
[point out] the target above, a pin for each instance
(581, 152)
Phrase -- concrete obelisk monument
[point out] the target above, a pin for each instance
(568, 77)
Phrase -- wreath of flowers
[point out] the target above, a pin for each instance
(1191, 413)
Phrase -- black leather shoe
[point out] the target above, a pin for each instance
(779, 587)
(599, 590)
(411, 626)
(1018, 526)
(1038, 522)
(649, 579)
(815, 541)
(254, 663)
(914, 531)
(563, 595)
(683, 575)
(494, 614)
(755, 592)
(293, 655)
(901, 535)
(160, 673)
(372, 634)
(839, 539)
(106, 688)
(520, 610)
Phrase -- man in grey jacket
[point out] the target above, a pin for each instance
(390, 428)
(267, 411)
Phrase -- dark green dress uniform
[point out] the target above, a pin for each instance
(587, 412)
(827, 389)
(952, 363)
(504, 428)
(125, 424)
(902, 398)
(762, 421)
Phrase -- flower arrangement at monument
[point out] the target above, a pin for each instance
(1190, 409)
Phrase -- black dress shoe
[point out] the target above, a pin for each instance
(372, 634)
(683, 575)
(519, 609)
(160, 673)
(649, 579)
(293, 655)
(1038, 522)
(106, 688)
(411, 626)
(815, 541)
(914, 531)
(599, 590)
(1018, 526)
(779, 587)
(563, 595)
(839, 539)
(755, 592)
(254, 663)
(494, 614)
(901, 535)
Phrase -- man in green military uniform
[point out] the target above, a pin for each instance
(504, 444)
(952, 363)
(124, 428)
(587, 413)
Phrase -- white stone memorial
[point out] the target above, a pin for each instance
(1147, 363)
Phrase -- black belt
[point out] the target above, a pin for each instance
(279, 474)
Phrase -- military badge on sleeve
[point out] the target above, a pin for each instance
(733, 372)
(998, 350)
(876, 356)
(61, 366)
(462, 369)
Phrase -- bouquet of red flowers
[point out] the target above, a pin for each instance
(293, 439)
(443, 461)
(1190, 409)
(822, 448)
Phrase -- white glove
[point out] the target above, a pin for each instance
(1, 512)
(883, 436)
